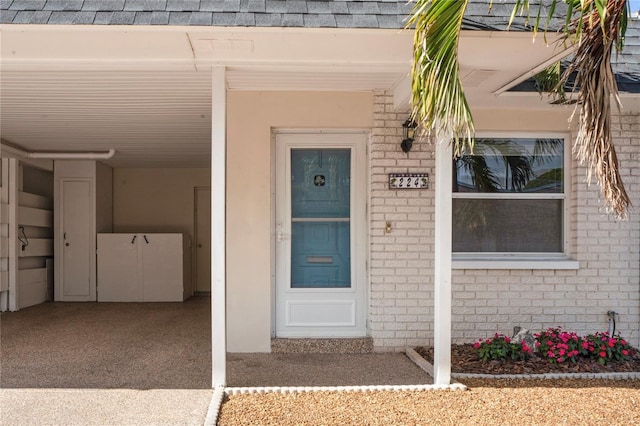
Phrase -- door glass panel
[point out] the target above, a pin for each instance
(320, 218)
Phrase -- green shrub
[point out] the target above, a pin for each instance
(558, 346)
(500, 347)
(604, 348)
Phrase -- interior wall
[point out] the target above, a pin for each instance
(156, 199)
(37, 181)
(104, 198)
(251, 116)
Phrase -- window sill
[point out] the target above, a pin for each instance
(515, 264)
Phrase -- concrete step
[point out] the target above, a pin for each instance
(360, 345)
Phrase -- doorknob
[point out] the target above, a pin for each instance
(199, 245)
(66, 244)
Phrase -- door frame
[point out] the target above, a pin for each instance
(358, 140)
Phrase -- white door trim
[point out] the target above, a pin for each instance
(355, 326)
(197, 267)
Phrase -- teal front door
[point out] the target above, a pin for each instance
(319, 221)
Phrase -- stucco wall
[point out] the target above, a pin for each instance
(156, 199)
(251, 116)
(486, 301)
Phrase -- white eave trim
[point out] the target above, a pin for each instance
(555, 58)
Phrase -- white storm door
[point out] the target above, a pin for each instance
(320, 235)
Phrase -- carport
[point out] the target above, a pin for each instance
(178, 98)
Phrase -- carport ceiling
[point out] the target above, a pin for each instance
(146, 92)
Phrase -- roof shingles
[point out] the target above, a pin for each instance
(145, 5)
(103, 6)
(268, 13)
(27, 5)
(67, 5)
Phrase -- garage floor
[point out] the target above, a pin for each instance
(108, 345)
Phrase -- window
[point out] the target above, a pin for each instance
(509, 198)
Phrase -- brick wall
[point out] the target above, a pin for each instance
(401, 262)
(490, 301)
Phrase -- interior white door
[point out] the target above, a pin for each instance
(203, 239)
(78, 241)
(320, 235)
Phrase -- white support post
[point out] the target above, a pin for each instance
(13, 233)
(442, 279)
(218, 226)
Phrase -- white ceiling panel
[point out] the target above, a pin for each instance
(152, 118)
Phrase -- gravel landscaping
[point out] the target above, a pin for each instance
(486, 402)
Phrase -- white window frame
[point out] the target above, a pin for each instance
(530, 260)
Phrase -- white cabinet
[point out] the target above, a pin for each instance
(82, 208)
(143, 267)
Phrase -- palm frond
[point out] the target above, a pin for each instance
(438, 100)
(601, 32)
(596, 26)
(548, 81)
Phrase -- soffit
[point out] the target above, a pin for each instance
(147, 91)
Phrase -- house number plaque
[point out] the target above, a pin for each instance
(408, 180)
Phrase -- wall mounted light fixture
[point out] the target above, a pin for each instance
(408, 133)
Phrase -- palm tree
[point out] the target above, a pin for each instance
(595, 26)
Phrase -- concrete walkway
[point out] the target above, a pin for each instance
(103, 407)
(257, 370)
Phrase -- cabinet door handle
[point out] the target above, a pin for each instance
(145, 239)
(133, 240)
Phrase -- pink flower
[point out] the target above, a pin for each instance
(507, 339)
(585, 345)
(622, 342)
(560, 359)
(612, 343)
(476, 345)
(602, 354)
(625, 352)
